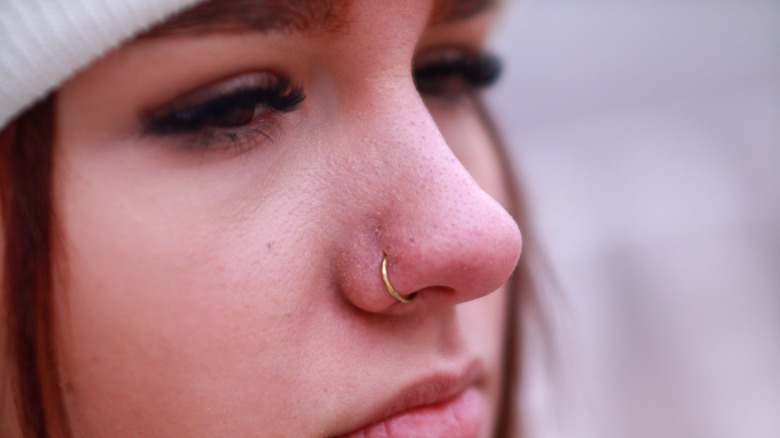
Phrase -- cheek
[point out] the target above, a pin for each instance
(170, 289)
(472, 143)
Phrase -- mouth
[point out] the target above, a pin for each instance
(443, 405)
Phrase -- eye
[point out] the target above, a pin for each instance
(452, 72)
(251, 100)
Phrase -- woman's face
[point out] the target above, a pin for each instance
(226, 199)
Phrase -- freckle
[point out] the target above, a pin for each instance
(269, 245)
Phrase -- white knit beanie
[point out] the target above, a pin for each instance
(44, 42)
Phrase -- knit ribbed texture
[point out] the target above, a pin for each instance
(44, 42)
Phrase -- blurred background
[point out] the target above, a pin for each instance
(647, 134)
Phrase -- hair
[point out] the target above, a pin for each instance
(30, 236)
(26, 158)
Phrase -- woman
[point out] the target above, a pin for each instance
(253, 218)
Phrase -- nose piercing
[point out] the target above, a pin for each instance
(390, 287)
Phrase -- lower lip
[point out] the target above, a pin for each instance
(459, 417)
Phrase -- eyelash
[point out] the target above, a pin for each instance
(229, 114)
(243, 114)
(451, 77)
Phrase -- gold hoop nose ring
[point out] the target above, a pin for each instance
(390, 288)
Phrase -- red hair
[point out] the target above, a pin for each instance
(26, 158)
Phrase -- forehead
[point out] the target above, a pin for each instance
(295, 15)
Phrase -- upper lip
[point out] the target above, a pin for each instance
(429, 390)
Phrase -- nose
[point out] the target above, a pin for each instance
(445, 239)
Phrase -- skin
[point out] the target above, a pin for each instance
(235, 291)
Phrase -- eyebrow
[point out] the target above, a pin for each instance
(257, 16)
(447, 11)
(309, 16)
